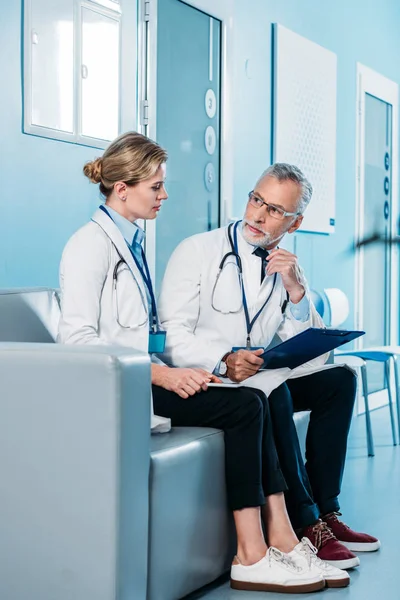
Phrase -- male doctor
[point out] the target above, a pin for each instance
(234, 287)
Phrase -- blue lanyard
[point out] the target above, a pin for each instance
(147, 280)
(145, 276)
(249, 323)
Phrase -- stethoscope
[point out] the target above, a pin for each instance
(145, 274)
(238, 263)
(234, 252)
(144, 302)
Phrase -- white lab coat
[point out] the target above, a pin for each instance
(91, 299)
(198, 335)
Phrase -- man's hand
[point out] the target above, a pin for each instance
(286, 264)
(184, 382)
(243, 364)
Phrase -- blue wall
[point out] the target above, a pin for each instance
(365, 31)
(44, 195)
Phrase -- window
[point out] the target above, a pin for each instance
(99, 76)
(71, 70)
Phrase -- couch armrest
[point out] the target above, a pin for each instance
(74, 465)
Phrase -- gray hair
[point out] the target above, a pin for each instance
(286, 172)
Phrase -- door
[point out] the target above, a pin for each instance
(377, 297)
(181, 87)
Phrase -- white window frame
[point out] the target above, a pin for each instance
(108, 8)
(148, 92)
(371, 82)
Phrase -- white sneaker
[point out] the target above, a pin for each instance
(305, 553)
(276, 572)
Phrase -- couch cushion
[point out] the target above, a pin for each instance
(191, 537)
(29, 315)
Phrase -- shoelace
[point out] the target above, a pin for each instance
(310, 552)
(334, 517)
(282, 558)
(322, 534)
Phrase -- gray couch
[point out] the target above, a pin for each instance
(93, 507)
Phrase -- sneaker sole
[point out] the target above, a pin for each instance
(275, 587)
(337, 583)
(367, 547)
(350, 563)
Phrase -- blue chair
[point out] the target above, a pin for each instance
(318, 302)
(338, 306)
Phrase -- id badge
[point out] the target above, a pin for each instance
(157, 342)
(252, 348)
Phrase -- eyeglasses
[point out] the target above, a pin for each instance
(274, 211)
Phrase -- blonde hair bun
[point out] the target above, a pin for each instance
(130, 158)
(92, 170)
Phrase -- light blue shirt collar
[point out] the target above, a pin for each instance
(133, 234)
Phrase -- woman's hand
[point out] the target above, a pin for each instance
(184, 382)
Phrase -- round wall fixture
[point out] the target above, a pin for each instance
(210, 103)
(209, 177)
(210, 140)
(386, 186)
(386, 210)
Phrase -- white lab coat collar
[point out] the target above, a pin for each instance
(116, 237)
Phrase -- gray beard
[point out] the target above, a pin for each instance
(263, 242)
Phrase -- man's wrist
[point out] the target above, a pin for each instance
(297, 295)
(223, 365)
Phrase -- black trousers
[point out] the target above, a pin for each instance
(251, 464)
(314, 487)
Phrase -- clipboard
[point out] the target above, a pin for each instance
(305, 346)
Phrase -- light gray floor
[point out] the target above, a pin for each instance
(370, 501)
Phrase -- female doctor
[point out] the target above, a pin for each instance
(107, 295)
(108, 298)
